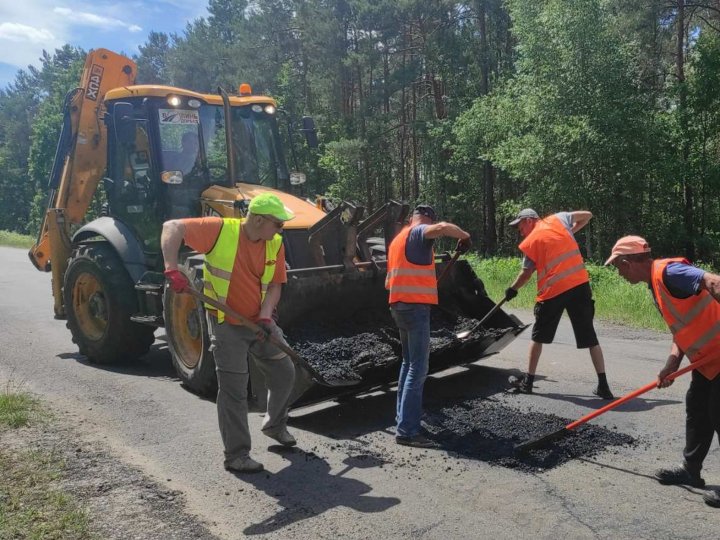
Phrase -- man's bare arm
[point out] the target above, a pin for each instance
(272, 298)
(522, 278)
(171, 239)
(711, 283)
(580, 218)
(443, 228)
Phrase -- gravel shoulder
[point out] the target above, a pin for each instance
(120, 500)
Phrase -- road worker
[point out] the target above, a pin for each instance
(563, 283)
(689, 300)
(244, 268)
(412, 283)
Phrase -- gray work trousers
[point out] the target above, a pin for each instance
(231, 346)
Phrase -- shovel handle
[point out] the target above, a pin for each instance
(528, 445)
(271, 338)
(635, 393)
(449, 265)
(485, 318)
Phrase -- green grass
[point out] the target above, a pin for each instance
(615, 299)
(31, 504)
(16, 409)
(13, 239)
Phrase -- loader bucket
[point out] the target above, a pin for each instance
(340, 323)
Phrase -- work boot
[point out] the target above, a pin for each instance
(712, 498)
(519, 385)
(243, 464)
(603, 391)
(418, 441)
(282, 436)
(679, 476)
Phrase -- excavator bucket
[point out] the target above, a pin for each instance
(340, 323)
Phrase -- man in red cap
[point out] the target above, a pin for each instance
(563, 284)
(245, 269)
(689, 300)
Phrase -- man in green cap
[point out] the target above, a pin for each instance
(245, 269)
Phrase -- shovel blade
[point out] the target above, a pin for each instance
(542, 441)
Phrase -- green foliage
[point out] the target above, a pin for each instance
(616, 300)
(13, 239)
(480, 107)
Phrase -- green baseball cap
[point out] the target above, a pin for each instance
(267, 204)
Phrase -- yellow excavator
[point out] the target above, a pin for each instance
(147, 153)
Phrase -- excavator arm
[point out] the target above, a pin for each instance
(80, 162)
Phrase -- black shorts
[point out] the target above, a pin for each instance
(580, 307)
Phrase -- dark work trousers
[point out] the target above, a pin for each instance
(702, 405)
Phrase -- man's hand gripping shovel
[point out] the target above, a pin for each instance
(294, 356)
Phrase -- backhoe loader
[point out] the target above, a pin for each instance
(151, 153)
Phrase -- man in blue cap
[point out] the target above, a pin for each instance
(245, 269)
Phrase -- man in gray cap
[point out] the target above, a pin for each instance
(563, 283)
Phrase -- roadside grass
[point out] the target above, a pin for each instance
(31, 505)
(615, 299)
(13, 239)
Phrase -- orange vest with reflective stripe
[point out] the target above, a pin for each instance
(408, 282)
(693, 321)
(557, 258)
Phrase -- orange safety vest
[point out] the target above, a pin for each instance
(408, 282)
(557, 258)
(693, 321)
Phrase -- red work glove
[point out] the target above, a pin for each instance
(463, 246)
(266, 326)
(177, 281)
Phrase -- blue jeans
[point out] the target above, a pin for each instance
(413, 320)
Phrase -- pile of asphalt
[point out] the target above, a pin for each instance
(490, 431)
(347, 349)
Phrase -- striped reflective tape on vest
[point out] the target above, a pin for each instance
(550, 282)
(411, 289)
(217, 272)
(556, 261)
(684, 319)
(713, 332)
(210, 291)
(411, 272)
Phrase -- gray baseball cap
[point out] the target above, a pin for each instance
(522, 214)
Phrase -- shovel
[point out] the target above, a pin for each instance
(294, 356)
(555, 435)
(466, 333)
(448, 266)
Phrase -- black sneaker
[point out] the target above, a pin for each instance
(519, 385)
(418, 441)
(603, 391)
(712, 498)
(679, 476)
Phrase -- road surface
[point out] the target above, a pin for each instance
(348, 478)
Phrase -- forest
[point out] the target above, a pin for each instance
(479, 108)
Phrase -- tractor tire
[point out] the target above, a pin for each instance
(186, 327)
(99, 300)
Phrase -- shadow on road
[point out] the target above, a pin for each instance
(634, 405)
(156, 363)
(365, 414)
(306, 488)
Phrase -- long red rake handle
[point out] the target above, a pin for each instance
(627, 397)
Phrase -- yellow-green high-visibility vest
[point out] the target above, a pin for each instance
(219, 262)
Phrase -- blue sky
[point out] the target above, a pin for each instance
(29, 26)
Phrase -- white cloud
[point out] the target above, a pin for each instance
(22, 32)
(91, 19)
